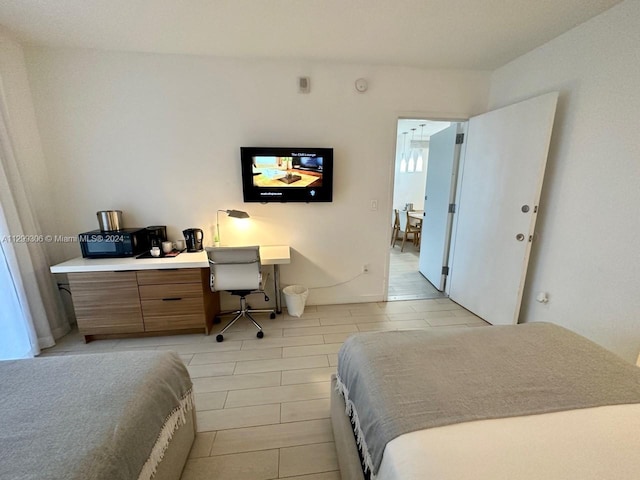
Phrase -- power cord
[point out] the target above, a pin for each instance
(337, 284)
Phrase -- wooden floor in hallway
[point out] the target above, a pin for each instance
(405, 281)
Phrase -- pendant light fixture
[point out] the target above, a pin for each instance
(403, 158)
(411, 166)
(420, 160)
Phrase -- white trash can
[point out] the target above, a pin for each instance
(295, 296)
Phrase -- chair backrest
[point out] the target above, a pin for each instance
(396, 220)
(412, 224)
(403, 221)
(234, 268)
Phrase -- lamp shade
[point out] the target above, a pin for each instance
(419, 162)
(237, 214)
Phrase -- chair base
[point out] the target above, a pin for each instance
(245, 312)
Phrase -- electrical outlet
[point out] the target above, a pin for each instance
(365, 268)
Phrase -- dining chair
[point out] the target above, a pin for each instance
(418, 235)
(413, 227)
(395, 234)
(237, 271)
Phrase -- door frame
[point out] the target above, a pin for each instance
(432, 117)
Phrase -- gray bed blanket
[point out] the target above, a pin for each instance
(89, 417)
(399, 382)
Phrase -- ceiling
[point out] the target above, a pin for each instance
(459, 34)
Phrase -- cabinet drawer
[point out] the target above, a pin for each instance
(173, 314)
(157, 324)
(178, 307)
(170, 290)
(158, 277)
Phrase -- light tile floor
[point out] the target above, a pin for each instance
(405, 281)
(263, 404)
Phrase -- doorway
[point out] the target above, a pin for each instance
(482, 258)
(406, 282)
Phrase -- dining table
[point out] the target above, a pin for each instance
(416, 214)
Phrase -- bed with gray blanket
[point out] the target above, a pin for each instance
(526, 401)
(116, 416)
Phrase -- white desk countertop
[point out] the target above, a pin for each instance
(269, 255)
(275, 254)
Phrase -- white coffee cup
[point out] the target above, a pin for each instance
(180, 245)
(167, 247)
(155, 251)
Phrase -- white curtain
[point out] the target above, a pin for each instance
(18, 337)
(30, 306)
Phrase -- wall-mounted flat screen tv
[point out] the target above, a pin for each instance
(287, 174)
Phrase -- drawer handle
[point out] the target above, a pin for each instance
(171, 299)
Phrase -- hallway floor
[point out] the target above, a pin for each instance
(405, 281)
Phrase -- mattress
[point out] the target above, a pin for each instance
(587, 444)
(91, 417)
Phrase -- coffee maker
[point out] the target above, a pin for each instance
(193, 237)
(156, 235)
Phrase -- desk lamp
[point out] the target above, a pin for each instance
(232, 214)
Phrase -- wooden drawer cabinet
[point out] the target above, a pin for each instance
(143, 301)
(106, 302)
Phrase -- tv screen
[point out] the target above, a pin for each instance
(287, 174)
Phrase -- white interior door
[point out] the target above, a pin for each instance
(501, 179)
(440, 193)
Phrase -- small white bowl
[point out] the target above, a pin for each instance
(155, 252)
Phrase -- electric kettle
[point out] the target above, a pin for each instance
(193, 238)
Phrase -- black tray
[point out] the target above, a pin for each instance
(172, 253)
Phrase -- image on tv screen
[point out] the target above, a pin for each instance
(298, 170)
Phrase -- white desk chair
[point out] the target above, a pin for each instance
(237, 271)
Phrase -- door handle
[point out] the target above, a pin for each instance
(171, 299)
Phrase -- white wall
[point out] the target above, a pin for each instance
(587, 254)
(158, 137)
(409, 186)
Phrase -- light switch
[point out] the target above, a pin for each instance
(374, 205)
(304, 84)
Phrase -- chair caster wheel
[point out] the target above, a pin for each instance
(219, 338)
(272, 316)
(217, 319)
(260, 334)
